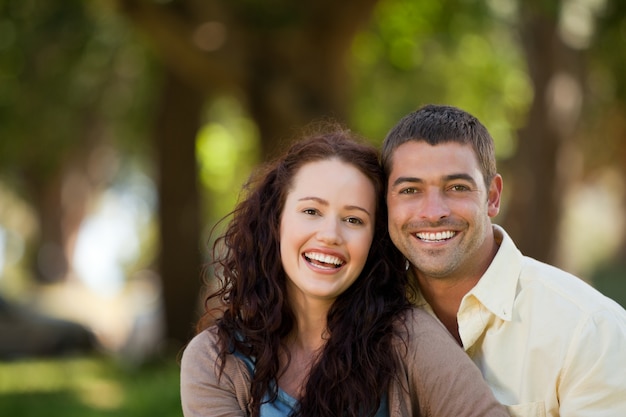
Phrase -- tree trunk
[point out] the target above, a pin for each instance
(50, 261)
(61, 195)
(541, 170)
(179, 259)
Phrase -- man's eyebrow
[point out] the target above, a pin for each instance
(450, 177)
(325, 203)
(465, 177)
(401, 180)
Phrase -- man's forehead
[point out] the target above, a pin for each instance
(420, 160)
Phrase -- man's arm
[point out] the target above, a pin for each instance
(593, 380)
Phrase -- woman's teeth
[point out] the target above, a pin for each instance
(321, 259)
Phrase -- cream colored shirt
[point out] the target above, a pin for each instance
(547, 343)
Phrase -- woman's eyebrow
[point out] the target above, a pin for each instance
(325, 203)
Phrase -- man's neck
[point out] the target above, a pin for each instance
(445, 294)
(445, 298)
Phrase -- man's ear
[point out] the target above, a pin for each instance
(493, 196)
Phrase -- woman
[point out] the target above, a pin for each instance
(313, 316)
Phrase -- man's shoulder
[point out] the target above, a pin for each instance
(545, 283)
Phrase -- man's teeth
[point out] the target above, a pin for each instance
(325, 259)
(435, 237)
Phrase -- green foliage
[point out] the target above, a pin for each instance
(459, 52)
(602, 138)
(269, 15)
(88, 387)
(44, 42)
(611, 33)
(69, 74)
(227, 148)
(609, 280)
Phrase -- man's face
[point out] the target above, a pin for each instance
(440, 210)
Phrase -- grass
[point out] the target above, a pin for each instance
(88, 387)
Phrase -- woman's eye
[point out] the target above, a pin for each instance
(354, 220)
(310, 211)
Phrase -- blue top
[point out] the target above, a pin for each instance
(285, 404)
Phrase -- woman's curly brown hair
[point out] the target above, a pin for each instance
(355, 367)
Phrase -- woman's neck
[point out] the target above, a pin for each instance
(310, 325)
(303, 345)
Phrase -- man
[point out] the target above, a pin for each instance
(547, 343)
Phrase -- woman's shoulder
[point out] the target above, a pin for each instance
(209, 385)
(202, 360)
(205, 343)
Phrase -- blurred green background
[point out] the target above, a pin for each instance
(127, 128)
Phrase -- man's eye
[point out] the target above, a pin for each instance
(459, 187)
(409, 190)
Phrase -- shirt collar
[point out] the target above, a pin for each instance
(497, 287)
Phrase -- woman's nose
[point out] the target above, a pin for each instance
(330, 232)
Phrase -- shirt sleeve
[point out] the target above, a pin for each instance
(593, 382)
(203, 391)
(442, 379)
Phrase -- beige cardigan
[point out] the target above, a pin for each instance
(437, 378)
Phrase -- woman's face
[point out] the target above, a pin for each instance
(326, 229)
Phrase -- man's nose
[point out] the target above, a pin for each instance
(434, 206)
